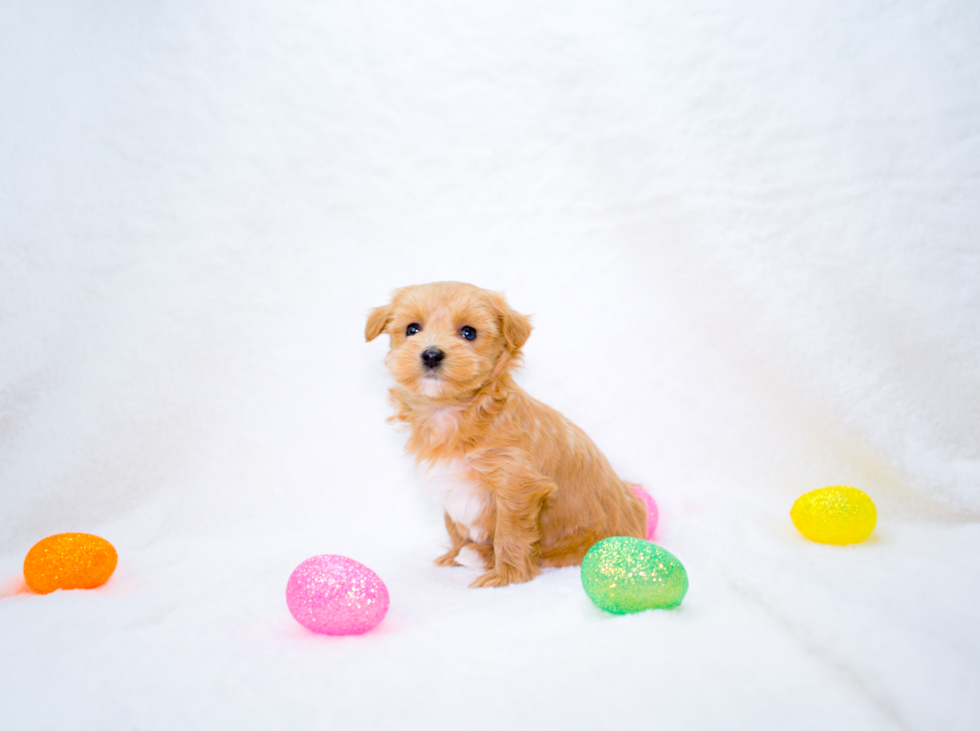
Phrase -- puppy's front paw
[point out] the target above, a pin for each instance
(447, 559)
(503, 575)
(490, 578)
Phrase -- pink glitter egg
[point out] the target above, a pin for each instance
(335, 595)
(652, 513)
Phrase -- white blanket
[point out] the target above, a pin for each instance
(749, 235)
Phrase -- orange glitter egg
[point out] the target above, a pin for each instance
(69, 561)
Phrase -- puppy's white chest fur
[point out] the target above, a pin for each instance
(442, 422)
(462, 496)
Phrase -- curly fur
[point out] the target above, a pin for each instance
(523, 486)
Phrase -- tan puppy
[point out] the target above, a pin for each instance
(521, 485)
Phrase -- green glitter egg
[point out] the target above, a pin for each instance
(624, 575)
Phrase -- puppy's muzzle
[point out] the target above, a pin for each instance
(432, 357)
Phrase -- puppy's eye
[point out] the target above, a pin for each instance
(413, 328)
(467, 332)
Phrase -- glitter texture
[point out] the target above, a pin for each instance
(836, 514)
(335, 595)
(69, 561)
(624, 575)
(652, 513)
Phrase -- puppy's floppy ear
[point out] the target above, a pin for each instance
(515, 327)
(377, 321)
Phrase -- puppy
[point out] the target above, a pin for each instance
(521, 485)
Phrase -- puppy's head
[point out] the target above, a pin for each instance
(448, 339)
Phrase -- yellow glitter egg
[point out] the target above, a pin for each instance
(836, 514)
(69, 561)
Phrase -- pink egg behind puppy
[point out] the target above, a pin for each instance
(653, 515)
(335, 595)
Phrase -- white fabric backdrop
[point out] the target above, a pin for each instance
(749, 235)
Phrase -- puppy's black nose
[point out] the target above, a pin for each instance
(432, 357)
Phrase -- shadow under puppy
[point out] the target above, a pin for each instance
(521, 485)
